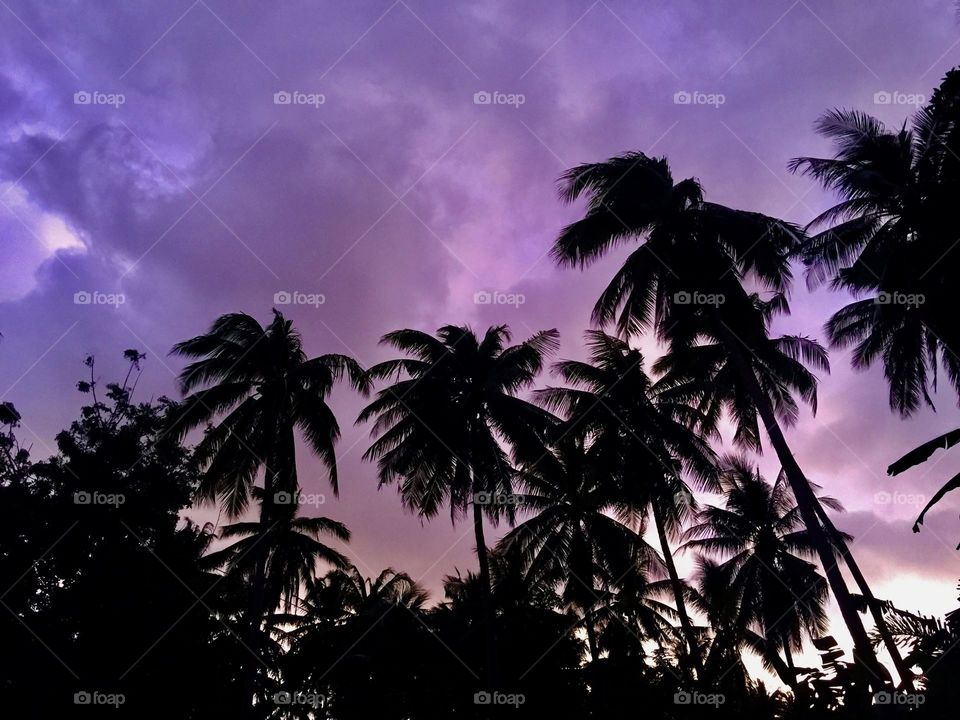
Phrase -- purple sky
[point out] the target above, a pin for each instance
(398, 197)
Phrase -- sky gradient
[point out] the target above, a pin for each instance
(391, 189)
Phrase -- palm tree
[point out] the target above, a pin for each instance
(347, 590)
(759, 534)
(888, 242)
(574, 539)
(346, 638)
(891, 238)
(288, 548)
(649, 438)
(262, 385)
(440, 430)
(731, 637)
(639, 612)
(263, 388)
(685, 281)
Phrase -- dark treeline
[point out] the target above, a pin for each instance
(115, 605)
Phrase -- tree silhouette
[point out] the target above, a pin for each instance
(97, 566)
(890, 238)
(647, 439)
(440, 429)
(685, 282)
(573, 539)
(261, 384)
(758, 533)
(288, 549)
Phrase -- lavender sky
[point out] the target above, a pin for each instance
(399, 197)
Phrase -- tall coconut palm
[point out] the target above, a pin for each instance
(573, 538)
(263, 388)
(685, 282)
(441, 429)
(759, 535)
(611, 398)
(890, 242)
(259, 387)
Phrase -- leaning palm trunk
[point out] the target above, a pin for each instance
(906, 675)
(685, 624)
(807, 503)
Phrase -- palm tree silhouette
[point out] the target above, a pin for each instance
(346, 589)
(263, 388)
(346, 638)
(759, 534)
(262, 385)
(890, 238)
(288, 549)
(685, 281)
(732, 636)
(440, 430)
(574, 538)
(649, 439)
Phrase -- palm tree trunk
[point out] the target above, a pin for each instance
(807, 503)
(282, 465)
(903, 670)
(254, 617)
(591, 636)
(490, 666)
(685, 624)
